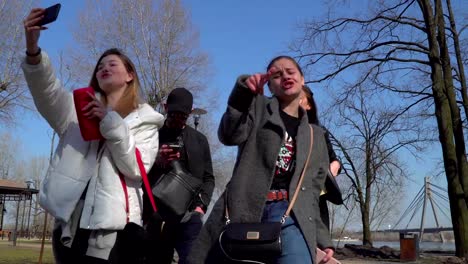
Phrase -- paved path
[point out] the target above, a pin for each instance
(30, 244)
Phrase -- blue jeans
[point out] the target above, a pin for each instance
(295, 249)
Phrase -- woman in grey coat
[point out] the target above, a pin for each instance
(273, 137)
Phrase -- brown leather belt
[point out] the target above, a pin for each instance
(277, 195)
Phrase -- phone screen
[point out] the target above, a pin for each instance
(175, 147)
(51, 14)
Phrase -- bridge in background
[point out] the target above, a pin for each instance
(431, 194)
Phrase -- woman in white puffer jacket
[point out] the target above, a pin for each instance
(82, 189)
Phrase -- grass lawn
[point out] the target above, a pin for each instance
(26, 252)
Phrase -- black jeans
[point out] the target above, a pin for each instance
(76, 254)
(174, 235)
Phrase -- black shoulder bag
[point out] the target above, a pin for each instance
(257, 242)
(177, 189)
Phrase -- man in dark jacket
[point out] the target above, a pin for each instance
(193, 152)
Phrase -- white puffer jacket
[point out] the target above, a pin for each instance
(76, 162)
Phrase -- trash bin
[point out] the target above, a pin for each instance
(409, 247)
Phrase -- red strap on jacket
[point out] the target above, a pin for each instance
(145, 180)
(144, 176)
(124, 187)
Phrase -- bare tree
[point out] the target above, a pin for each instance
(13, 92)
(8, 145)
(156, 34)
(460, 69)
(371, 138)
(404, 47)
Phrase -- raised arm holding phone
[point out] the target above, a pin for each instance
(82, 188)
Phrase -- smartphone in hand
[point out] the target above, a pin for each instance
(320, 254)
(175, 147)
(50, 15)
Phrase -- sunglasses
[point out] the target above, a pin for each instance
(177, 115)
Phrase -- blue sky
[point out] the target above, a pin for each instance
(239, 36)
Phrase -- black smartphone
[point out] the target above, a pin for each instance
(50, 15)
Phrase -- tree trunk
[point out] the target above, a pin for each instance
(458, 55)
(458, 202)
(459, 137)
(366, 233)
(448, 122)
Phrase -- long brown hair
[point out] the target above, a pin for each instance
(131, 96)
(312, 112)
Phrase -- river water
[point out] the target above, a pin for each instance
(423, 246)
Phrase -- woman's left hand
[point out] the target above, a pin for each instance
(95, 108)
(329, 255)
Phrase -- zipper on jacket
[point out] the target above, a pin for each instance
(99, 152)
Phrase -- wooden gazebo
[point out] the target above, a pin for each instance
(15, 191)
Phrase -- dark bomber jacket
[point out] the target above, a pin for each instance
(199, 165)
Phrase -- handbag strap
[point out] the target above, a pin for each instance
(144, 176)
(299, 183)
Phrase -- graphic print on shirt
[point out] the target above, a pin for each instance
(284, 162)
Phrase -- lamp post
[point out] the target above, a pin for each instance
(26, 194)
(29, 183)
(197, 113)
(15, 232)
(3, 212)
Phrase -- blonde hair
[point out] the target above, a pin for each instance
(131, 96)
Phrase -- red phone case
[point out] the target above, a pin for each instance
(89, 128)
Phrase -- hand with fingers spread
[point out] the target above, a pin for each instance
(33, 30)
(257, 81)
(95, 108)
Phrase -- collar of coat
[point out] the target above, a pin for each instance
(303, 135)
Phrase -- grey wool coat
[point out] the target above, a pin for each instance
(253, 123)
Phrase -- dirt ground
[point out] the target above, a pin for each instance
(423, 259)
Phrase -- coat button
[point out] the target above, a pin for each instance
(303, 188)
(310, 218)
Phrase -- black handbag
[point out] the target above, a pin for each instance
(176, 190)
(251, 241)
(257, 242)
